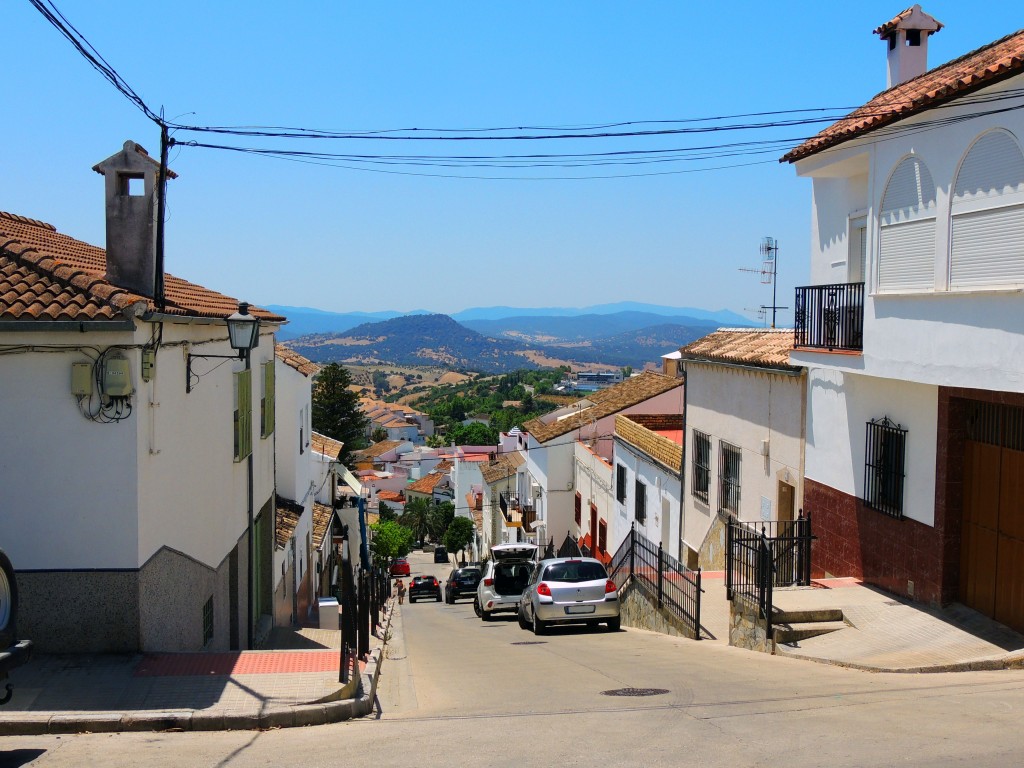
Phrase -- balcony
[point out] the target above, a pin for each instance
(830, 317)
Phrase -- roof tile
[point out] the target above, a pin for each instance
(766, 347)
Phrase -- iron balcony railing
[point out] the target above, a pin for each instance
(830, 316)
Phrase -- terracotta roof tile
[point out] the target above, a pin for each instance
(287, 517)
(326, 446)
(293, 359)
(503, 467)
(427, 483)
(977, 69)
(605, 402)
(890, 25)
(767, 347)
(379, 449)
(322, 517)
(47, 275)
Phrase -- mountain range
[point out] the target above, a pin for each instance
(306, 320)
(625, 338)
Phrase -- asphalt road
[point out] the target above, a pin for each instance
(455, 690)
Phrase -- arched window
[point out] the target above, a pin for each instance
(906, 238)
(988, 215)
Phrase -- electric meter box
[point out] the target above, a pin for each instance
(117, 377)
(81, 379)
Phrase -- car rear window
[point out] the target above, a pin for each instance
(469, 572)
(575, 572)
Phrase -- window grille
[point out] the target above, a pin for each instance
(729, 477)
(620, 484)
(700, 478)
(602, 537)
(641, 502)
(208, 621)
(579, 509)
(884, 466)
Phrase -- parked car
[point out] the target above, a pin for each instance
(567, 590)
(13, 652)
(504, 578)
(424, 586)
(440, 555)
(462, 582)
(400, 567)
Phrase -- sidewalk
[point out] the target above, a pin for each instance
(882, 634)
(293, 685)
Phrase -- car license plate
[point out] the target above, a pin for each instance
(579, 609)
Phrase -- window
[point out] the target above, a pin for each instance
(302, 430)
(267, 401)
(640, 501)
(884, 466)
(906, 237)
(700, 477)
(620, 483)
(243, 414)
(858, 250)
(602, 537)
(208, 621)
(987, 234)
(579, 509)
(728, 477)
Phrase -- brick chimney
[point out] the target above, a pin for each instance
(131, 205)
(907, 37)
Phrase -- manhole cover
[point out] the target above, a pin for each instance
(635, 692)
(530, 642)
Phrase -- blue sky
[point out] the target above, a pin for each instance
(279, 232)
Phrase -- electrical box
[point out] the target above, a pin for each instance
(81, 379)
(117, 377)
(148, 364)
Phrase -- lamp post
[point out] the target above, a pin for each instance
(244, 334)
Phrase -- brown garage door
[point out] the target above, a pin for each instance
(992, 544)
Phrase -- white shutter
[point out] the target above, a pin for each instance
(988, 248)
(909, 194)
(906, 256)
(994, 166)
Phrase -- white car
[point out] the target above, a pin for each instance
(505, 576)
(567, 590)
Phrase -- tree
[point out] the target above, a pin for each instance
(474, 434)
(390, 540)
(379, 434)
(439, 518)
(459, 534)
(415, 517)
(385, 512)
(336, 409)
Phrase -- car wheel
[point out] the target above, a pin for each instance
(522, 620)
(539, 627)
(615, 624)
(476, 607)
(438, 598)
(8, 603)
(411, 600)
(485, 615)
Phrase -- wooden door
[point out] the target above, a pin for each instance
(1009, 597)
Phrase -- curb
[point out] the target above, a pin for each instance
(299, 715)
(1014, 661)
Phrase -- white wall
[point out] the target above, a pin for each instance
(839, 408)
(743, 407)
(661, 523)
(595, 484)
(961, 338)
(70, 486)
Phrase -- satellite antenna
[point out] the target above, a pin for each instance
(768, 271)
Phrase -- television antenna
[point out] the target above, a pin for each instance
(768, 271)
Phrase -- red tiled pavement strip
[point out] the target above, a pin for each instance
(237, 663)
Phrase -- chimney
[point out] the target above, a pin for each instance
(907, 37)
(131, 178)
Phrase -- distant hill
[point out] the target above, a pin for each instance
(639, 346)
(305, 320)
(425, 340)
(544, 330)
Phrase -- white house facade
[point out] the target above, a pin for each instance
(913, 329)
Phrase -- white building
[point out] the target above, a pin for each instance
(551, 451)
(138, 464)
(594, 503)
(913, 329)
(745, 406)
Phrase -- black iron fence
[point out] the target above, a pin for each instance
(673, 586)
(829, 316)
(568, 548)
(758, 561)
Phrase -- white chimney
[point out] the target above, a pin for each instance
(907, 37)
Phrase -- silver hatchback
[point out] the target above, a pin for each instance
(568, 590)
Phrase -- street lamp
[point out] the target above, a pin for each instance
(243, 331)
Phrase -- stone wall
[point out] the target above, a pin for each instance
(712, 550)
(638, 609)
(747, 629)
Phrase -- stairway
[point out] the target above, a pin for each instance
(790, 627)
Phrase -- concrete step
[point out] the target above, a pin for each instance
(806, 616)
(792, 632)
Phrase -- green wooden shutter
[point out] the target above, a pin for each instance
(243, 414)
(267, 422)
